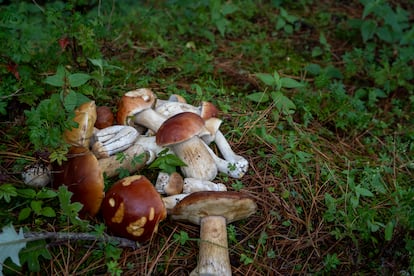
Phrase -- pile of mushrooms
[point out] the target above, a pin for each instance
(133, 207)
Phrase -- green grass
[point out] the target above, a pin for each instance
(317, 96)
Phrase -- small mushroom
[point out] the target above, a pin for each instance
(85, 117)
(180, 133)
(104, 117)
(212, 211)
(113, 139)
(169, 184)
(136, 107)
(132, 208)
(83, 176)
(37, 174)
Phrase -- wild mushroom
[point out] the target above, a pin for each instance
(180, 133)
(192, 185)
(37, 174)
(111, 165)
(83, 176)
(212, 211)
(104, 117)
(132, 208)
(113, 139)
(169, 184)
(85, 117)
(136, 107)
(235, 168)
(170, 108)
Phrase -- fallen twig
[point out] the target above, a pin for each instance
(72, 236)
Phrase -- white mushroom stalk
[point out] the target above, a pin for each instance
(111, 165)
(226, 150)
(150, 146)
(114, 139)
(235, 168)
(192, 185)
(150, 119)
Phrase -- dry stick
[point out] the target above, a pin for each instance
(72, 236)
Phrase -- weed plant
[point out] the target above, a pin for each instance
(317, 96)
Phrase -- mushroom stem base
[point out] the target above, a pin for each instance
(214, 256)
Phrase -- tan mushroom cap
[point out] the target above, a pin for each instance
(232, 206)
(83, 176)
(134, 102)
(179, 128)
(132, 208)
(208, 110)
(85, 116)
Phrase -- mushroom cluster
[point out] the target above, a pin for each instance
(145, 126)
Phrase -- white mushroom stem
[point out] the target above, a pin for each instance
(214, 257)
(110, 166)
(149, 118)
(149, 145)
(194, 153)
(192, 185)
(111, 140)
(235, 168)
(171, 201)
(171, 108)
(225, 148)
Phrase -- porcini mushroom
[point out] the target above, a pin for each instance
(212, 211)
(111, 165)
(104, 117)
(113, 139)
(180, 133)
(85, 117)
(169, 184)
(83, 177)
(136, 107)
(132, 208)
(192, 185)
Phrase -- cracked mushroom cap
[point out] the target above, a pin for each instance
(134, 102)
(132, 208)
(232, 206)
(179, 128)
(83, 176)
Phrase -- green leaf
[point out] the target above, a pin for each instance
(74, 100)
(78, 79)
(48, 212)
(24, 213)
(229, 8)
(362, 191)
(46, 193)
(7, 191)
(10, 245)
(27, 193)
(32, 252)
(388, 231)
(290, 83)
(58, 79)
(258, 97)
(368, 29)
(182, 238)
(283, 103)
(36, 206)
(267, 79)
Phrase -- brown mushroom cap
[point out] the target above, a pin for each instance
(232, 206)
(134, 102)
(208, 110)
(132, 208)
(83, 177)
(104, 117)
(179, 128)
